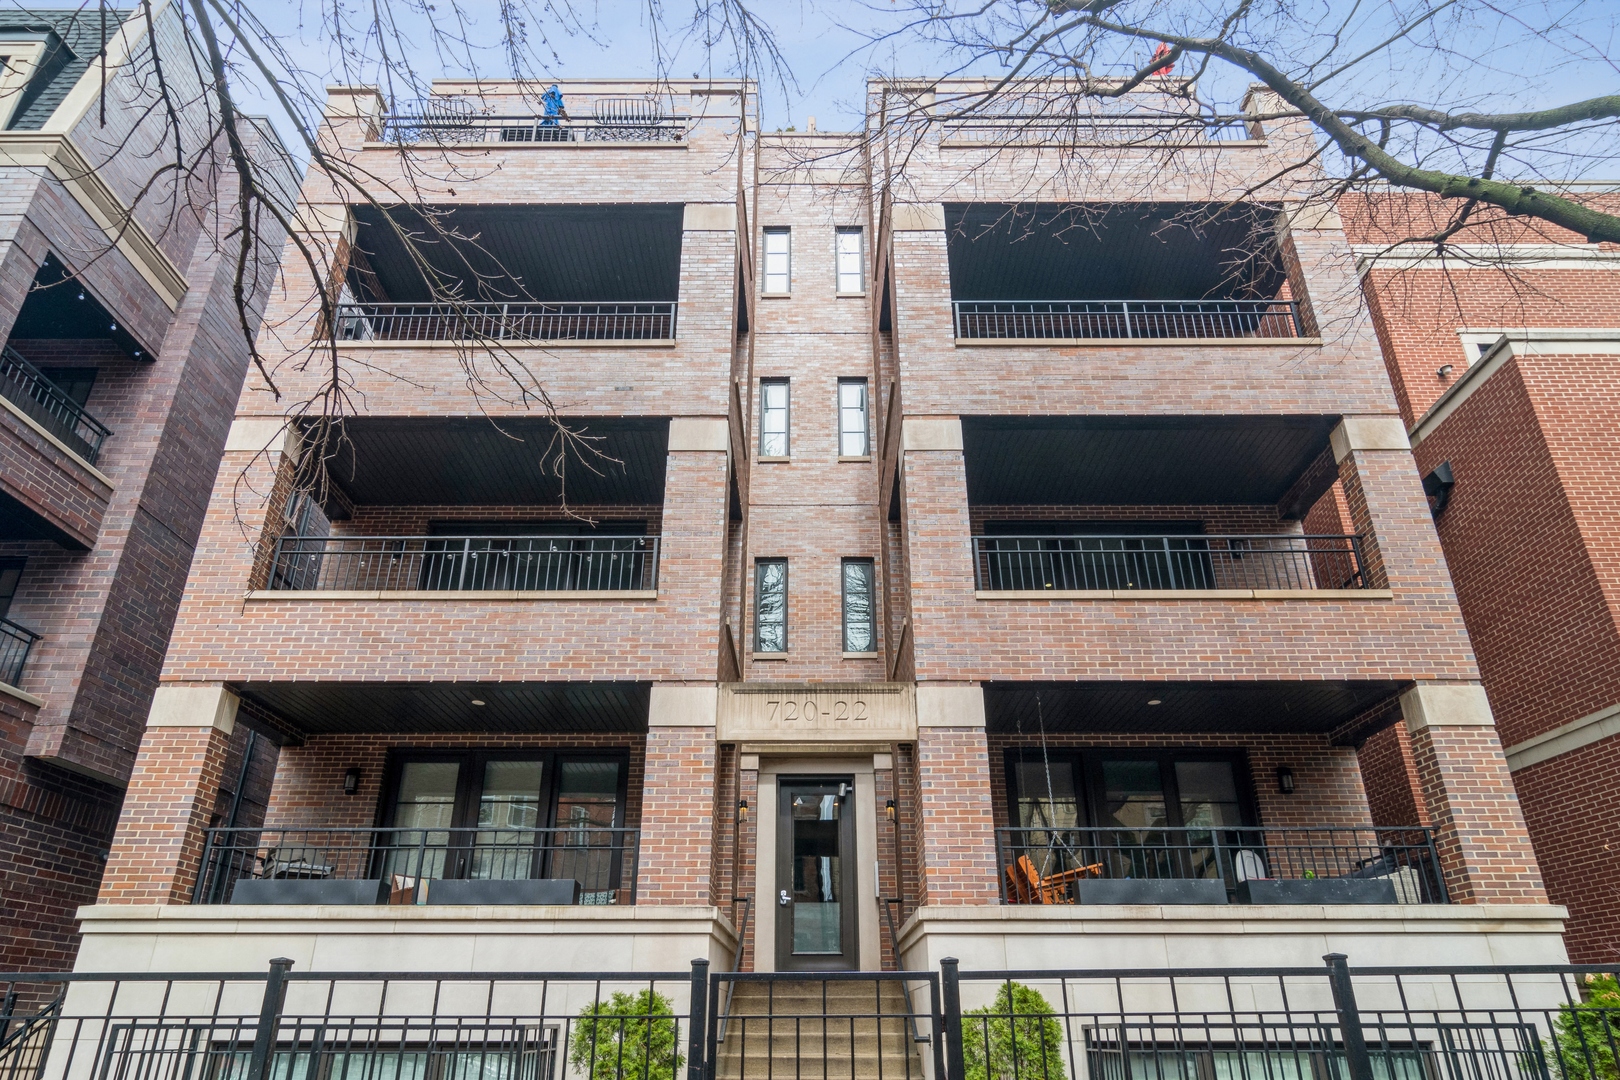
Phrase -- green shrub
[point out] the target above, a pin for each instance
(1017, 1036)
(1587, 1032)
(626, 1037)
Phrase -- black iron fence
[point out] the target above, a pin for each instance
(466, 563)
(485, 865)
(1258, 865)
(645, 321)
(26, 387)
(15, 643)
(1088, 563)
(1035, 319)
(1331, 1022)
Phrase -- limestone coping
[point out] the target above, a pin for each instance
(1183, 594)
(452, 594)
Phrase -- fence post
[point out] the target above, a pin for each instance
(264, 1038)
(697, 1027)
(1344, 1000)
(951, 990)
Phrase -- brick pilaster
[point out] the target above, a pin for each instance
(954, 797)
(677, 821)
(157, 851)
(1484, 846)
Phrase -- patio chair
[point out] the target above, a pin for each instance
(1025, 885)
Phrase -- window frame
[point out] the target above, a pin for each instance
(759, 566)
(1087, 765)
(866, 416)
(765, 275)
(871, 603)
(859, 232)
(787, 418)
(470, 782)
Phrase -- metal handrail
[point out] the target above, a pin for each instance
(28, 388)
(1033, 320)
(889, 903)
(1049, 864)
(465, 563)
(736, 960)
(1123, 129)
(447, 126)
(15, 643)
(643, 320)
(1086, 562)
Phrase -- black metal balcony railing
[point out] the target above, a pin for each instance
(1056, 130)
(15, 641)
(1036, 319)
(614, 120)
(26, 387)
(1083, 563)
(410, 861)
(644, 321)
(466, 563)
(1049, 865)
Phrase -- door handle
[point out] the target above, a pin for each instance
(783, 899)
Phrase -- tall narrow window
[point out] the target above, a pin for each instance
(770, 605)
(851, 261)
(852, 419)
(778, 263)
(773, 418)
(860, 634)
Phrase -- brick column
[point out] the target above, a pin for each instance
(1484, 847)
(157, 851)
(953, 793)
(677, 800)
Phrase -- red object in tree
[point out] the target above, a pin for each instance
(1159, 54)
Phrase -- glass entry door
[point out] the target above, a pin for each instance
(815, 875)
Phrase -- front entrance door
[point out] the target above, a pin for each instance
(815, 874)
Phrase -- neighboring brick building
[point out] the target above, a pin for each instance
(964, 529)
(124, 354)
(1503, 361)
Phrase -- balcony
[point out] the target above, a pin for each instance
(458, 120)
(465, 563)
(1133, 319)
(652, 321)
(1254, 865)
(496, 865)
(41, 400)
(1160, 563)
(15, 643)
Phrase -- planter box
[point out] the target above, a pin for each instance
(309, 891)
(495, 891)
(1316, 891)
(1151, 891)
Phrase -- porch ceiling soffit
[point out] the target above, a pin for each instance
(330, 708)
(1259, 707)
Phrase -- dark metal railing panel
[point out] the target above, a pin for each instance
(1089, 563)
(26, 387)
(603, 860)
(466, 563)
(642, 321)
(1070, 319)
(15, 643)
(612, 126)
(1049, 865)
(1056, 130)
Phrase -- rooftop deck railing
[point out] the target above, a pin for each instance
(466, 563)
(407, 864)
(612, 126)
(641, 321)
(15, 643)
(26, 387)
(1033, 320)
(1055, 129)
(1102, 562)
(1052, 865)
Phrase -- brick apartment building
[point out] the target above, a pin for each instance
(122, 361)
(983, 547)
(1502, 358)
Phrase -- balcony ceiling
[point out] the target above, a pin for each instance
(327, 708)
(469, 461)
(1138, 461)
(596, 253)
(1185, 707)
(1121, 251)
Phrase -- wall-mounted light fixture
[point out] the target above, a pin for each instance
(1438, 484)
(888, 809)
(1444, 372)
(351, 781)
(1285, 780)
(742, 809)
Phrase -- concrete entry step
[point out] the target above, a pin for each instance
(827, 1029)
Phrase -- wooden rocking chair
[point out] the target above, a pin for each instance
(1025, 885)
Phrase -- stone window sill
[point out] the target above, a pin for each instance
(774, 459)
(854, 457)
(770, 656)
(861, 655)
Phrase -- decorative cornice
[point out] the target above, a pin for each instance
(58, 154)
